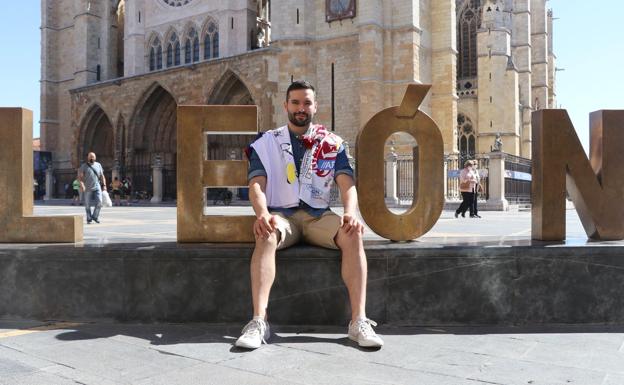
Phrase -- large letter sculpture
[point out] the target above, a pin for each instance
(596, 186)
(426, 209)
(16, 183)
(195, 172)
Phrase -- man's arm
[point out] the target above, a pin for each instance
(103, 181)
(265, 222)
(348, 193)
(81, 180)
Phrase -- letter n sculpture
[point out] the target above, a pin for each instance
(17, 223)
(596, 186)
(195, 173)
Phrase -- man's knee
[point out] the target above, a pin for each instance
(270, 242)
(346, 240)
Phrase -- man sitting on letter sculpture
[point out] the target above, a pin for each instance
(291, 172)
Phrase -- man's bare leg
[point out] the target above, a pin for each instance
(263, 273)
(354, 270)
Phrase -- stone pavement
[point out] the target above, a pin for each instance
(138, 224)
(113, 354)
(107, 353)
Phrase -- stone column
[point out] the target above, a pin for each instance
(445, 179)
(157, 180)
(49, 183)
(234, 190)
(496, 180)
(452, 185)
(443, 93)
(115, 171)
(391, 179)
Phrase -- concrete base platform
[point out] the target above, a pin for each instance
(515, 282)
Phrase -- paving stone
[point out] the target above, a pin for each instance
(39, 378)
(211, 374)
(113, 360)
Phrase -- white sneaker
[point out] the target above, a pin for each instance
(254, 334)
(361, 331)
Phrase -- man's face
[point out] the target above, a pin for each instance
(91, 158)
(301, 107)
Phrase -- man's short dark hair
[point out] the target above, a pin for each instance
(299, 85)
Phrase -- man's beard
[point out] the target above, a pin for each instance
(299, 123)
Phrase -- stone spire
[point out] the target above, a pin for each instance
(493, 14)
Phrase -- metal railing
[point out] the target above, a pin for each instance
(454, 165)
(517, 179)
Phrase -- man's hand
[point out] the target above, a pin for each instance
(351, 224)
(265, 225)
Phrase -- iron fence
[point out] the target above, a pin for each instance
(517, 179)
(407, 186)
(141, 178)
(170, 187)
(62, 184)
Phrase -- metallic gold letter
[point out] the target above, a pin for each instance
(595, 186)
(16, 183)
(426, 209)
(195, 172)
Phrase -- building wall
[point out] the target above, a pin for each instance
(388, 45)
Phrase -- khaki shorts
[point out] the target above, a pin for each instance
(318, 231)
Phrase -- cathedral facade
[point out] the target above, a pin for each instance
(114, 71)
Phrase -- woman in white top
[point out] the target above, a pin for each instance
(474, 211)
(468, 179)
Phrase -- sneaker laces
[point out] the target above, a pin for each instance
(365, 326)
(255, 327)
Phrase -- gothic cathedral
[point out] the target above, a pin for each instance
(114, 71)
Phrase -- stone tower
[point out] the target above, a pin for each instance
(82, 43)
(506, 70)
(497, 79)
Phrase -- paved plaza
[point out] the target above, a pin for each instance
(113, 354)
(109, 353)
(146, 224)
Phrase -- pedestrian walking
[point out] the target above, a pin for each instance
(92, 182)
(467, 183)
(474, 213)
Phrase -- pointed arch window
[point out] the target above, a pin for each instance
(155, 55)
(173, 51)
(159, 53)
(468, 22)
(466, 138)
(152, 59)
(215, 45)
(191, 47)
(211, 42)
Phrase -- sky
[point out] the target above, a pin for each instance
(588, 40)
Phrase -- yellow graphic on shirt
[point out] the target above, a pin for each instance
(291, 173)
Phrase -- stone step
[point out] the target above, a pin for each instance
(408, 284)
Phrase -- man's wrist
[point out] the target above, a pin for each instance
(262, 214)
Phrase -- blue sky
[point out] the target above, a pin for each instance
(589, 44)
